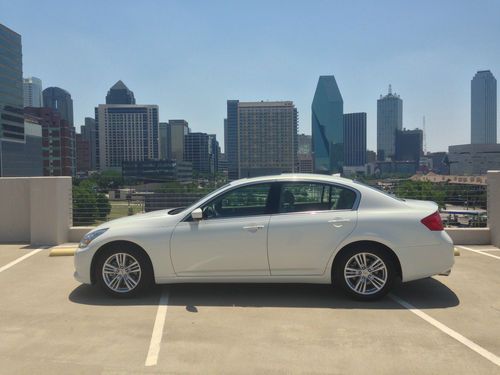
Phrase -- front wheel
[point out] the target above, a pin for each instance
(123, 272)
(366, 274)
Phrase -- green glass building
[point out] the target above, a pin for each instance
(327, 127)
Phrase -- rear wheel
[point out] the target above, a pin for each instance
(366, 274)
(123, 272)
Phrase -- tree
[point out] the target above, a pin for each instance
(89, 206)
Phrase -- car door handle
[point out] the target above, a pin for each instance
(253, 227)
(339, 220)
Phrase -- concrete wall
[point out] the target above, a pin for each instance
(494, 206)
(469, 236)
(35, 209)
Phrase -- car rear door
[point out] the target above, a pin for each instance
(313, 219)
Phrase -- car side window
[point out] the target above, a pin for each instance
(243, 201)
(313, 196)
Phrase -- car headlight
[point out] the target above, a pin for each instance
(89, 237)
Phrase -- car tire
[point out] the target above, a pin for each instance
(367, 274)
(123, 271)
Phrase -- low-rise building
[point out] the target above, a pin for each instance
(473, 159)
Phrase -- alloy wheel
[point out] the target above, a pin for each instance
(121, 272)
(365, 273)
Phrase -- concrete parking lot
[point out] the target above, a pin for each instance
(51, 324)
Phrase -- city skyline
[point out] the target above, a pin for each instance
(431, 73)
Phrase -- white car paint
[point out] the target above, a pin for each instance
(280, 247)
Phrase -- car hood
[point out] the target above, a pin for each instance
(160, 217)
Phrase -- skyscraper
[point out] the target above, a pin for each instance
(213, 152)
(483, 108)
(262, 138)
(327, 126)
(355, 139)
(32, 90)
(82, 146)
(126, 133)
(176, 133)
(13, 147)
(389, 121)
(60, 101)
(196, 151)
(164, 143)
(231, 139)
(58, 142)
(120, 94)
(89, 132)
(409, 145)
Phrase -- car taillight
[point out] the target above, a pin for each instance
(433, 222)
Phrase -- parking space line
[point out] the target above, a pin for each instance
(445, 329)
(156, 336)
(479, 252)
(20, 259)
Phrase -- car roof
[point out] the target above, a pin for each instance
(293, 176)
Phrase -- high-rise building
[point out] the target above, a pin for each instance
(82, 153)
(12, 135)
(327, 126)
(262, 138)
(58, 142)
(126, 133)
(32, 92)
(176, 133)
(389, 121)
(120, 94)
(231, 139)
(355, 139)
(164, 143)
(89, 132)
(483, 114)
(60, 101)
(196, 151)
(305, 144)
(409, 145)
(213, 153)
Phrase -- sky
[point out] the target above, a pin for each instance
(189, 57)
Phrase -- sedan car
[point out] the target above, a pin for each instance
(290, 228)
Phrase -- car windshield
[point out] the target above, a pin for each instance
(196, 203)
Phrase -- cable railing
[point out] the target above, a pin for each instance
(459, 205)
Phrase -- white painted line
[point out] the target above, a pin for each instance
(154, 345)
(479, 252)
(486, 250)
(445, 329)
(20, 259)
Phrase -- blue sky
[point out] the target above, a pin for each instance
(189, 57)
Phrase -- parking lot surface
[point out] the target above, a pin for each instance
(51, 324)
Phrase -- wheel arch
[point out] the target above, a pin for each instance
(111, 244)
(369, 243)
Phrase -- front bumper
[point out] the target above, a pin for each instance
(83, 262)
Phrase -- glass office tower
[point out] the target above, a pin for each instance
(327, 127)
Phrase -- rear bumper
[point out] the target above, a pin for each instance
(418, 262)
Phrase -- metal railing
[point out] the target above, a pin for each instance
(460, 205)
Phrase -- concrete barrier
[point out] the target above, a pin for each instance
(75, 234)
(493, 202)
(469, 236)
(35, 209)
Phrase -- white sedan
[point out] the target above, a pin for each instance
(276, 229)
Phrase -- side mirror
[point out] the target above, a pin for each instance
(197, 214)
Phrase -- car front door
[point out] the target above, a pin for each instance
(230, 240)
(313, 219)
